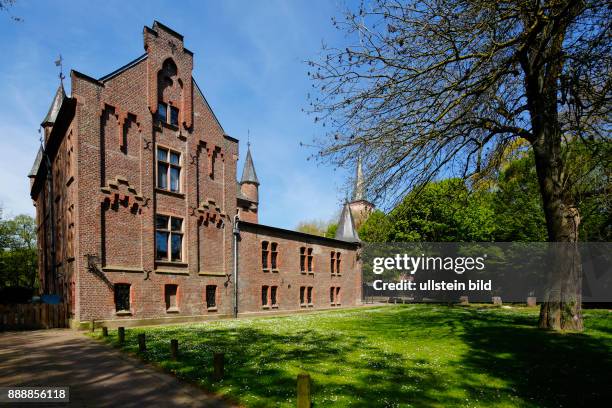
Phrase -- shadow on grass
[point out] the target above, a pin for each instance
(420, 356)
(547, 368)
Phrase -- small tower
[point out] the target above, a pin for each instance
(49, 120)
(360, 207)
(346, 227)
(248, 198)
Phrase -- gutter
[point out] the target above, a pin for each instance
(236, 232)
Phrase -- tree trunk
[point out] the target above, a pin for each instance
(562, 307)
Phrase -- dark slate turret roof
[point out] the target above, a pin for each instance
(37, 162)
(60, 95)
(248, 173)
(346, 227)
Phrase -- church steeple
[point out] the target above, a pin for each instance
(249, 190)
(360, 207)
(358, 193)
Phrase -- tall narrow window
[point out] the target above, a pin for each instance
(274, 256)
(211, 294)
(264, 295)
(168, 238)
(174, 116)
(162, 112)
(122, 297)
(309, 259)
(171, 292)
(338, 263)
(332, 294)
(264, 255)
(337, 299)
(309, 295)
(273, 291)
(168, 170)
(302, 295)
(302, 259)
(332, 264)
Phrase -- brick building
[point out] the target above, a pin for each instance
(140, 215)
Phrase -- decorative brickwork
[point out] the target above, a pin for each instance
(137, 222)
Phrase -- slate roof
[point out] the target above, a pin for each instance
(346, 226)
(37, 162)
(54, 109)
(248, 173)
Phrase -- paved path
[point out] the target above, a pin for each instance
(98, 376)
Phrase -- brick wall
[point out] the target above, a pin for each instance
(113, 198)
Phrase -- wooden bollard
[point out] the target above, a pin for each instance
(121, 335)
(218, 361)
(497, 300)
(142, 343)
(174, 349)
(105, 331)
(532, 301)
(303, 391)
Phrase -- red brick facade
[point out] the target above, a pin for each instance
(138, 159)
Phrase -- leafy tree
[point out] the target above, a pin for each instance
(376, 228)
(18, 254)
(431, 86)
(318, 227)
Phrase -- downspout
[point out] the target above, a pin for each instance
(236, 232)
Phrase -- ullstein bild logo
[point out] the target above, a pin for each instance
(412, 264)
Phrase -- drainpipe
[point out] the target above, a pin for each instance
(236, 232)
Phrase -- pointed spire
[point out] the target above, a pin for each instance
(358, 190)
(60, 95)
(248, 173)
(346, 227)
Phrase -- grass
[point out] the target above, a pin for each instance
(396, 356)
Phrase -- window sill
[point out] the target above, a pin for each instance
(265, 307)
(311, 273)
(274, 306)
(212, 309)
(123, 313)
(274, 270)
(170, 193)
(302, 305)
(303, 272)
(117, 268)
(206, 273)
(173, 310)
(177, 264)
(265, 270)
(310, 305)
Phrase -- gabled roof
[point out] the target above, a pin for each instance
(58, 99)
(346, 227)
(124, 68)
(248, 173)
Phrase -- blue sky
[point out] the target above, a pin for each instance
(249, 62)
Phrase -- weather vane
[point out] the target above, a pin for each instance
(58, 63)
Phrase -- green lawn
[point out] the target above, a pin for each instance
(399, 356)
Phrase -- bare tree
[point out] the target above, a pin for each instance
(442, 86)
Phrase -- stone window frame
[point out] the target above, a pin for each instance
(274, 257)
(310, 260)
(334, 295)
(170, 233)
(169, 109)
(273, 297)
(170, 166)
(302, 296)
(309, 296)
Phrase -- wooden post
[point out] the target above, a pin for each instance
(218, 360)
(303, 391)
(105, 331)
(93, 325)
(142, 345)
(121, 335)
(174, 349)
